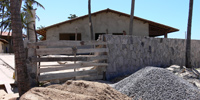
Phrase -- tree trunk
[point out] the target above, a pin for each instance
(22, 75)
(131, 18)
(188, 42)
(90, 19)
(32, 67)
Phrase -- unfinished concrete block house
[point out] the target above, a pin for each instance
(104, 22)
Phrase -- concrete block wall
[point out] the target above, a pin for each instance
(128, 54)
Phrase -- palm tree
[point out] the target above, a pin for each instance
(90, 19)
(5, 15)
(188, 42)
(12, 19)
(19, 51)
(131, 18)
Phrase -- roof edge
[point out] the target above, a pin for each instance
(4, 41)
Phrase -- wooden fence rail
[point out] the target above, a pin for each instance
(47, 51)
(69, 66)
(64, 43)
(51, 59)
(68, 50)
(55, 76)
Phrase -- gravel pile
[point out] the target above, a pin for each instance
(153, 83)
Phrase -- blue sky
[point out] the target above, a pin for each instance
(173, 13)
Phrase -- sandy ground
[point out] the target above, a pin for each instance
(8, 59)
(6, 76)
(6, 73)
(5, 96)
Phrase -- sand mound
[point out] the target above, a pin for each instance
(6, 96)
(152, 83)
(75, 90)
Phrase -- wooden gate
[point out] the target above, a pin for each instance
(72, 59)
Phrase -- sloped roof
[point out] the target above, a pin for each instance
(3, 40)
(10, 34)
(151, 23)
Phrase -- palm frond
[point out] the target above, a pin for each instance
(38, 4)
(37, 17)
(5, 15)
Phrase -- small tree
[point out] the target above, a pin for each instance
(72, 16)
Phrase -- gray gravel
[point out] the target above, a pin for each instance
(153, 83)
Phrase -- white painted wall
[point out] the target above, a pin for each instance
(110, 21)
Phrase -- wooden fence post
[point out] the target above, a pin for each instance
(106, 53)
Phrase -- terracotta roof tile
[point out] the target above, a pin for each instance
(10, 34)
(6, 33)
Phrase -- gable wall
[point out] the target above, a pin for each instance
(112, 22)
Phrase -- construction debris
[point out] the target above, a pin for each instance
(188, 74)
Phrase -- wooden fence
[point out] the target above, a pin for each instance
(83, 54)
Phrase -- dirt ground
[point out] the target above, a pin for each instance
(86, 90)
